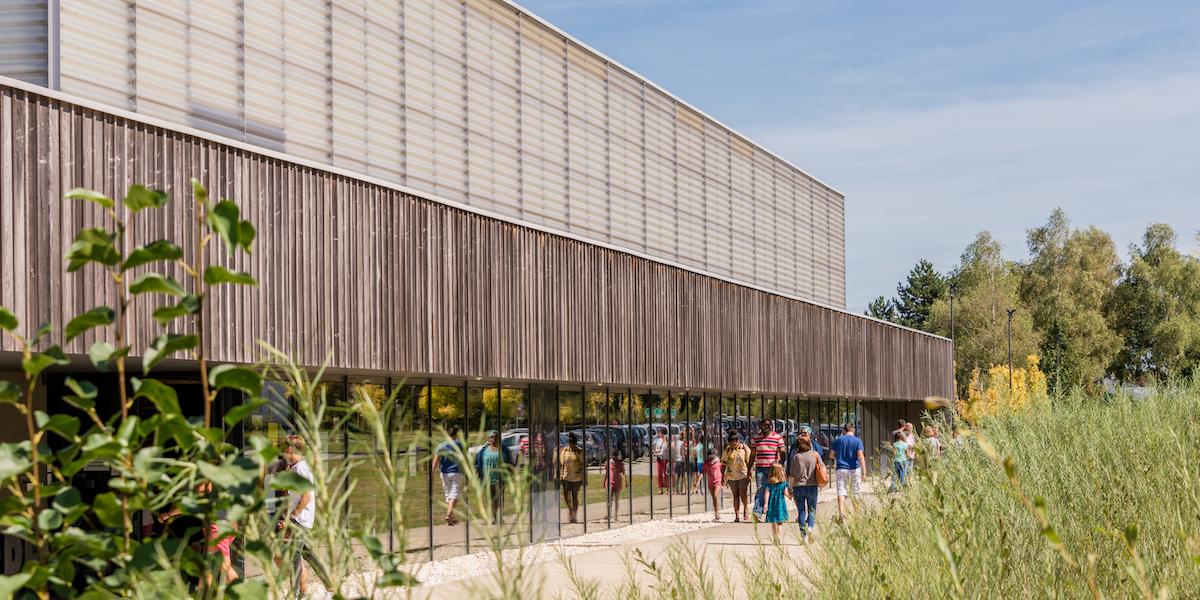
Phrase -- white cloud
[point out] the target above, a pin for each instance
(921, 183)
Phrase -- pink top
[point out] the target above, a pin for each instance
(616, 475)
(712, 470)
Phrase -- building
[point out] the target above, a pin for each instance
(456, 198)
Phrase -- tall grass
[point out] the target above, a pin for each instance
(1080, 497)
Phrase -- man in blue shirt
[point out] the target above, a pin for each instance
(847, 452)
(445, 460)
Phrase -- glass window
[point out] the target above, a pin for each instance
(447, 413)
(572, 475)
(644, 470)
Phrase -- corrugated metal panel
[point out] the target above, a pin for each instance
(804, 236)
(821, 283)
(385, 90)
(718, 199)
(837, 249)
(350, 125)
(97, 50)
(744, 233)
(543, 125)
(662, 217)
(693, 243)
(765, 258)
(24, 41)
(587, 150)
(493, 108)
(785, 228)
(465, 99)
(627, 149)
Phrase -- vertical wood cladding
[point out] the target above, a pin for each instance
(381, 280)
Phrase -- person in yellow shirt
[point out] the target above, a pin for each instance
(735, 465)
(571, 470)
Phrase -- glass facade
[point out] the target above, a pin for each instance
(607, 457)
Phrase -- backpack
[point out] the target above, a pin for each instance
(821, 475)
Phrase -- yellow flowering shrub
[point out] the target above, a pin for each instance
(991, 394)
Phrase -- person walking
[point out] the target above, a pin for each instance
(679, 456)
(489, 462)
(932, 441)
(614, 480)
(765, 450)
(806, 434)
(698, 457)
(847, 453)
(659, 451)
(735, 472)
(899, 461)
(712, 473)
(778, 492)
(910, 438)
(571, 469)
(301, 515)
(445, 460)
(802, 476)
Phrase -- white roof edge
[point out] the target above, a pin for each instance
(575, 40)
(304, 162)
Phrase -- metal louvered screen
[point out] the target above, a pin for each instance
(472, 101)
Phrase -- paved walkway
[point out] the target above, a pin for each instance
(724, 542)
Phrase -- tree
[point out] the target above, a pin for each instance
(1156, 310)
(1066, 283)
(882, 309)
(988, 287)
(917, 294)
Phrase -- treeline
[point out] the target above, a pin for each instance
(1080, 307)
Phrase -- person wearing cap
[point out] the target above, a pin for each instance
(488, 464)
(735, 462)
(806, 433)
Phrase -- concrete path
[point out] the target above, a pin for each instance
(715, 545)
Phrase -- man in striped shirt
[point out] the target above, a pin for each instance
(765, 450)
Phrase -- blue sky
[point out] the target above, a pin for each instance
(939, 119)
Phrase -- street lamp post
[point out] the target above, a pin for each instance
(1010, 316)
(953, 354)
(1057, 364)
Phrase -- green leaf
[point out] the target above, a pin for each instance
(396, 578)
(139, 197)
(92, 195)
(264, 450)
(189, 305)
(229, 376)
(10, 393)
(40, 362)
(290, 480)
(67, 499)
(200, 192)
(241, 411)
(214, 275)
(84, 389)
(156, 284)
(246, 235)
(97, 317)
(232, 473)
(102, 352)
(64, 425)
(14, 460)
(49, 519)
(44, 330)
(92, 245)
(162, 395)
(10, 585)
(160, 250)
(372, 544)
(223, 219)
(165, 345)
(8, 321)
(247, 589)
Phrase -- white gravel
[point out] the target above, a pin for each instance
(479, 564)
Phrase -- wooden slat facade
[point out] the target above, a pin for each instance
(385, 281)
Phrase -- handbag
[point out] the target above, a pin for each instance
(822, 475)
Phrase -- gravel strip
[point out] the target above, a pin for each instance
(479, 564)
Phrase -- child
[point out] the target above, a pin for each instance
(899, 460)
(615, 482)
(777, 488)
(712, 472)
